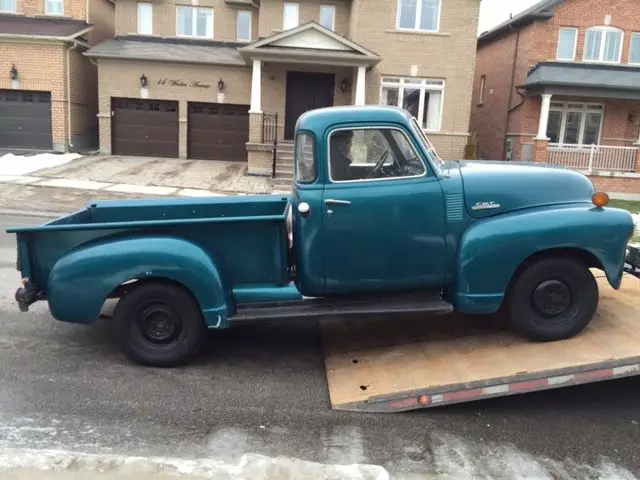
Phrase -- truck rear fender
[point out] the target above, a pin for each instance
(81, 281)
(493, 251)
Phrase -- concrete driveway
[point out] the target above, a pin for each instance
(213, 175)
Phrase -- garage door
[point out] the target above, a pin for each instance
(218, 131)
(25, 120)
(148, 128)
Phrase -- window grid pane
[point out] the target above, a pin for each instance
(566, 44)
(327, 16)
(592, 47)
(185, 21)
(290, 16)
(54, 7)
(421, 97)
(612, 46)
(634, 56)
(408, 14)
(145, 19)
(244, 25)
(429, 14)
(8, 6)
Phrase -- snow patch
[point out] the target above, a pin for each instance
(254, 467)
(11, 164)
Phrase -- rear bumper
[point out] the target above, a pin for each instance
(25, 297)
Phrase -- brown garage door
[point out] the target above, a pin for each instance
(25, 120)
(148, 128)
(218, 131)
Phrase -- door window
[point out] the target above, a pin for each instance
(363, 154)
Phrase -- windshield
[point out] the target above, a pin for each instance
(428, 145)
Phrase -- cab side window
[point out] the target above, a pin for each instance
(304, 151)
(372, 154)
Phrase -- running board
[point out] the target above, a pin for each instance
(425, 303)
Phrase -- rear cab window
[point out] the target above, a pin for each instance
(305, 158)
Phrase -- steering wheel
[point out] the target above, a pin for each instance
(379, 164)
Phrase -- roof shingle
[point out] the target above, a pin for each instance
(48, 27)
(584, 76)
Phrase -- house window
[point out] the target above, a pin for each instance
(8, 6)
(483, 81)
(422, 97)
(53, 7)
(328, 16)
(290, 16)
(603, 44)
(634, 52)
(243, 27)
(194, 22)
(145, 18)
(418, 15)
(575, 123)
(567, 38)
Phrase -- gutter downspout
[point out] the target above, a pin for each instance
(511, 83)
(73, 47)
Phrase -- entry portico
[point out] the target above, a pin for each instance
(300, 69)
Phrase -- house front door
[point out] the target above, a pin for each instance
(306, 91)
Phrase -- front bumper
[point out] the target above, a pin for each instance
(25, 297)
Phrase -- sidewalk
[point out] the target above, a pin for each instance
(61, 183)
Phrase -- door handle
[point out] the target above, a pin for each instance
(333, 201)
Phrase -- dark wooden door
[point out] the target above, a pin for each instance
(306, 91)
(148, 128)
(218, 131)
(25, 120)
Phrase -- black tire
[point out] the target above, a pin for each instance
(554, 298)
(159, 324)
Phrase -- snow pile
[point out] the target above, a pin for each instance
(11, 164)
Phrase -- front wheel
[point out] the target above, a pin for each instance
(552, 299)
(159, 324)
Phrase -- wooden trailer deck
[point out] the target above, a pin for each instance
(386, 365)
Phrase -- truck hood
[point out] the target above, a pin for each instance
(493, 188)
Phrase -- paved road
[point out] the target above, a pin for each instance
(261, 391)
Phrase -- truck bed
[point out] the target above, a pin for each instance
(404, 364)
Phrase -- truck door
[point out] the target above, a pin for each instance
(384, 225)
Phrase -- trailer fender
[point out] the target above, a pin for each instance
(491, 251)
(81, 281)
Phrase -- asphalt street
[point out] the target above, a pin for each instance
(261, 391)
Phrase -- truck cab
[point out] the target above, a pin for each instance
(377, 223)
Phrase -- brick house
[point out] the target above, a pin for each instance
(221, 79)
(560, 83)
(48, 89)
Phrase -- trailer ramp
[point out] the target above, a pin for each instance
(399, 364)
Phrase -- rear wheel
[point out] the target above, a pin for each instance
(159, 324)
(552, 299)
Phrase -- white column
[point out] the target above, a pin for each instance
(256, 85)
(544, 117)
(361, 86)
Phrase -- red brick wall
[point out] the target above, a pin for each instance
(538, 43)
(616, 184)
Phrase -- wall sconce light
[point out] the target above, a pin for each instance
(13, 73)
(220, 85)
(343, 85)
(144, 81)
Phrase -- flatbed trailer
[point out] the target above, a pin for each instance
(406, 364)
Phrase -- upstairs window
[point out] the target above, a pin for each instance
(567, 38)
(145, 18)
(290, 15)
(634, 53)
(421, 15)
(328, 16)
(194, 22)
(603, 44)
(53, 7)
(8, 6)
(243, 27)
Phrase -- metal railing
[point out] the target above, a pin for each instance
(593, 157)
(270, 135)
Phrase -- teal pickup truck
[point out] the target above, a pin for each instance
(377, 224)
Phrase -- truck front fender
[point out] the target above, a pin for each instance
(491, 251)
(81, 280)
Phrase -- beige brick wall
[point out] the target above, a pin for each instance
(102, 15)
(164, 18)
(271, 15)
(72, 8)
(121, 78)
